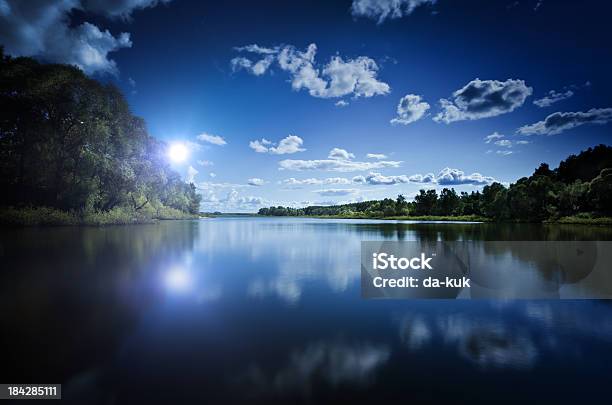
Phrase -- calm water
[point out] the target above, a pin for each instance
(262, 309)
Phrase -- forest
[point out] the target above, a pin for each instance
(581, 186)
(71, 151)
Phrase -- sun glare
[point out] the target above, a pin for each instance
(178, 152)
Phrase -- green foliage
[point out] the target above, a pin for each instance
(30, 216)
(569, 193)
(71, 143)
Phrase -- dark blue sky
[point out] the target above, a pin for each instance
(178, 74)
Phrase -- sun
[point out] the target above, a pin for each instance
(178, 152)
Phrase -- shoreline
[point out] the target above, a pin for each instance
(49, 217)
(573, 220)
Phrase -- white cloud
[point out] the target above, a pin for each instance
(258, 146)
(553, 97)
(256, 181)
(191, 173)
(411, 108)
(233, 200)
(562, 121)
(378, 156)
(337, 78)
(340, 154)
(381, 10)
(212, 174)
(295, 183)
(341, 103)
(205, 163)
(482, 99)
(207, 185)
(378, 179)
(359, 179)
(333, 192)
(290, 144)
(492, 137)
(422, 178)
(504, 143)
(214, 139)
(254, 48)
(448, 176)
(522, 142)
(335, 165)
(504, 152)
(256, 68)
(44, 29)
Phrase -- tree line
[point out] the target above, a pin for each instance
(581, 184)
(71, 143)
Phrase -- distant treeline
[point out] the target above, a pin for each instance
(71, 143)
(581, 184)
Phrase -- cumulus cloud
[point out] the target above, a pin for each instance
(378, 156)
(213, 139)
(339, 160)
(359, 179)
(295, 183)
(44, 30)
(380, 10)
(335, 165)
(234, 201)
(378, 179)
(288, 145)
(482, 99)
(333, 192)
(256, 182)
(504, 143)
(256, 68)
(341, 154)
(411, 108)
(562, 121)
(341, 103)
(337, 78)
(422, 178)
(448, 176)
(493, 137)
(552, 97)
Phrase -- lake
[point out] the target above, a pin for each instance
(264, 309)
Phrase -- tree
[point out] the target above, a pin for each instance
(70, 142)
(601, 192)
(425, 202)
(448, 202)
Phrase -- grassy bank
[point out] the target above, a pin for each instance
(584, 219)
(44, 216)
(460, 218)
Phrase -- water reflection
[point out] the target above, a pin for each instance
(488, 344)
(331, 363)
(269, 309)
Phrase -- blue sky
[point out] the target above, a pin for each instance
(273, 112)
